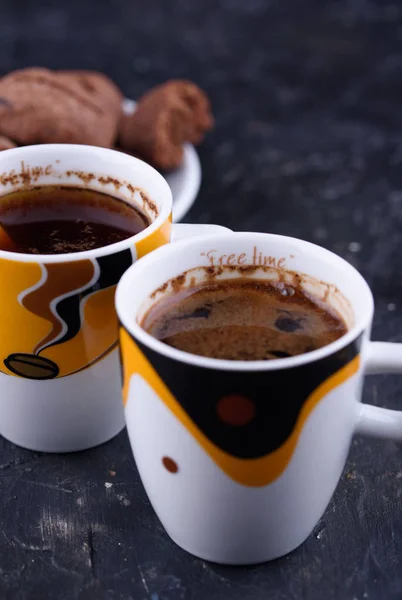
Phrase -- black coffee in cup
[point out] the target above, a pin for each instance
(244, 319)
(62, 219)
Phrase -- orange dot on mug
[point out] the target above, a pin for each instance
(235, 410)
(170, 464)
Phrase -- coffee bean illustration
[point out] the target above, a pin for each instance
(31, 366)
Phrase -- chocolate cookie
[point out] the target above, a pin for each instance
(5, 143)
(165, 118)
(41, 106)
(98, 86)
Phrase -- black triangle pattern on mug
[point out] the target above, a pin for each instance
(248, 421)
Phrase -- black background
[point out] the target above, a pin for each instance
(308, 142)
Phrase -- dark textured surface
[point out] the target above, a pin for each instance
(308, 142)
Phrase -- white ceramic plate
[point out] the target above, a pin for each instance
(184, 181)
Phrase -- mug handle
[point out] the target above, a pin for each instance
(181, 231)
(382, 357)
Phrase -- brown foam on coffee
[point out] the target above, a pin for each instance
(244, 319)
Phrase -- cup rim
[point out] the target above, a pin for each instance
(128, 243)
(135, 273)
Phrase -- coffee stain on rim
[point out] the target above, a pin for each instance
(284, 278)
(28, 175)
(85, 177)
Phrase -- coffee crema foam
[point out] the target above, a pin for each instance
(243, 318)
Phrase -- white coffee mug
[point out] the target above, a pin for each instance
(249, 490)
(59, 371)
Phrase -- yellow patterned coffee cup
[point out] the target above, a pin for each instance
(59, 372)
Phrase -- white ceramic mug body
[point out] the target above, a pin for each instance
(236, 510)
(60, 384)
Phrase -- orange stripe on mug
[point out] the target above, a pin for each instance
(155, 239)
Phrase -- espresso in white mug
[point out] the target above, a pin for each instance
(245, 455)
(231, 315)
